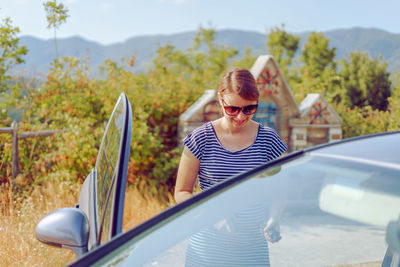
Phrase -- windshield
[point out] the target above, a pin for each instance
(315, 211)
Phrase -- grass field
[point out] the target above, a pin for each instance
(18, 219)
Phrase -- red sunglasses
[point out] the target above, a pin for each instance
(233, 110)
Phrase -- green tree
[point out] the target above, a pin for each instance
(246, 61)
(316, 55)
(56, 14)
(216, 58)
(394, 104)
(317, 73)
(366, 81)
(11, 52)
(282, 46)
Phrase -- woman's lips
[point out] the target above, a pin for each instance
(240, 122)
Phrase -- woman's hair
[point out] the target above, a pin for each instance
(241, 82)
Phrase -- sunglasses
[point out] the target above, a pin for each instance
(233, 110)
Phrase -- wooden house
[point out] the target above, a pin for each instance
(318, 123)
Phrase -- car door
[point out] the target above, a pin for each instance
(98, 216)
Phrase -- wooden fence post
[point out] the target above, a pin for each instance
(15, 159)
(15, 136)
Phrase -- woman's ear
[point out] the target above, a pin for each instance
(221, 112)
(220, 99)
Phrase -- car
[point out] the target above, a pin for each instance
(336, 204)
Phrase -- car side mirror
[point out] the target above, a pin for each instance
(66, 227)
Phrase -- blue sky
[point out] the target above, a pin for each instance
(112, 21)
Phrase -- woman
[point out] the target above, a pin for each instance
(221, 149)
(229, 145)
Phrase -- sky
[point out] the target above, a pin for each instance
(114, 21)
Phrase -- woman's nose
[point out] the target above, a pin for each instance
(241, 115)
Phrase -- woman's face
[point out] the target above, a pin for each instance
(234, 100)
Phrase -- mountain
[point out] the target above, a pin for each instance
(41, 52)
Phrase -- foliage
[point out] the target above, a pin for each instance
(66, 101)
(5, 157)
(247, 61)
(56, 14)
(11, 53)
(282, 46)
(71, 100)
(316, 55)
(317, 74)
(394, 104)
(366, 82)
(362, 121)
(328, 84)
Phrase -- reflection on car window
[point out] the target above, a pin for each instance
(326, 211)
(106, 164)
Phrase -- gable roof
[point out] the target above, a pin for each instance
(308, 102)
(260, 65)
(314, 106)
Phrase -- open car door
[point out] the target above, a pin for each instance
(98, 216)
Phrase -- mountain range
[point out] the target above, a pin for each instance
(41, 53)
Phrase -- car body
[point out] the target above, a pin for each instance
(336, 204)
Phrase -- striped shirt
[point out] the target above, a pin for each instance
(218, 163)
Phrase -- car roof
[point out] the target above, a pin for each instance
(377, 149)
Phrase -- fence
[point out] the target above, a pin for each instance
(13, 130)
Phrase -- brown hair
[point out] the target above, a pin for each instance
(241, 82)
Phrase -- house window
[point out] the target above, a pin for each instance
(299, 136)
(266, 114)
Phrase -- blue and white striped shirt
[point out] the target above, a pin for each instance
(218, 163)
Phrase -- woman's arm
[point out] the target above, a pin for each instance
(187, 174)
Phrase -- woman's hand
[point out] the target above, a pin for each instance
(272, 231)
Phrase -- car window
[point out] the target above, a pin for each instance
(330, 212)
(108, 168)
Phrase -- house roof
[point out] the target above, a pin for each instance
(262, 63)
(307, 102)
(317, 105)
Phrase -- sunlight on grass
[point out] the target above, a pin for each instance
(18, 219)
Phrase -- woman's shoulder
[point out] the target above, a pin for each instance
(204, 127)
(270, 136)
(201, 131)
(265, 131)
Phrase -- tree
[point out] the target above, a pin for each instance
(282, 46)
(11, 52)
(394, 104)
(246, 61)
(316, 55)
(56, 14)
(318, 70)
(366, 81)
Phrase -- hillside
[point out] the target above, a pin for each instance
(41, 52)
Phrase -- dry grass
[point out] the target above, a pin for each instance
(19, 246)
(139, 208)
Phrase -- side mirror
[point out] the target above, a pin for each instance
(66, 227)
